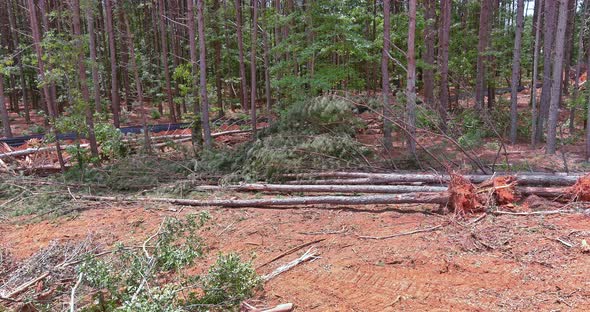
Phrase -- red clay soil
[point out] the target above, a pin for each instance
(505, 190)
(503, 263)
(464, 198)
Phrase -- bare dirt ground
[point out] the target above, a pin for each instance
(503, 263)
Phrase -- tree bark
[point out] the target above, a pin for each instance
(443, 38)
(581, 37)
(93, 59)
(203, 74)
(115, 100)
(358, 178)
(429, 46)
(516, 71)
(243, 88)
(253, 67)
(4, 110)
(485, 22)
(138, 84)
(557, 73)
(408, 198)
(197, 135)
(164, 55)
(75, 9)
(534, 104)
(51, 107)
(282, 188)
(15, 42)
(387, 113)
(411, 83)
(267, 90)
(548, 49)
(217, 47)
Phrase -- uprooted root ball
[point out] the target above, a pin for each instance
(581, 190)
(464, 197)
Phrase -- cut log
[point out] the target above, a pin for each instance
(360, 178)
(386, 189)
(408, 198)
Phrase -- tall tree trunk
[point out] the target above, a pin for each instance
(557, 72)
(164, 44)
(569, 43)
(93, 59)
(429, 46)
(267, 90)
(138, 84)
(516, 71)
(411, 83)
(51, 107)
(549, 34)
(203, 73)
(4, 110)
(217, 47)
(534, 104)
(253, 66)
(387, 113)
(485, 22)
(75, 9)
(197, 136)
(15, 42)
(243, 88)
(125, 63)
(582, 34)
(115, 100)
(443, 59)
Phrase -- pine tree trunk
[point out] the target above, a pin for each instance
(138, 84)
(164, 55)
(115, 100)
(548, 46)
(516, 71)
(534, 104)
(429, 46)
(203, 74)
(443, 59)
(557, 72)
(92, 45)
(75, 9)
(253, 66)
(243, 88)
(4, 110)
(267, 90)
(582, 34)
(569, 44)
(15, 42)
(197, 136)
(51, 107)
(411, 83)
(217, 47)
(485, 22)
(387, 113)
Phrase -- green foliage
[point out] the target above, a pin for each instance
(155, 114)
(122, 279)
(110, 141)
(229, 281)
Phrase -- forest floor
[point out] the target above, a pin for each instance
(500, 263)
(503, 263)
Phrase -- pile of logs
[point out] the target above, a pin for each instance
(461, 193)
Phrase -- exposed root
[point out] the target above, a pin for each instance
(464, 198)
(505, 190)
(581, 190)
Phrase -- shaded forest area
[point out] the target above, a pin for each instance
(280, 155)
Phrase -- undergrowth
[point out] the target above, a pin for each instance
(316, 133)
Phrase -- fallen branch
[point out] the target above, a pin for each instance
(532, 213)
(290, 251)
(431, 229)
(308, 255)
